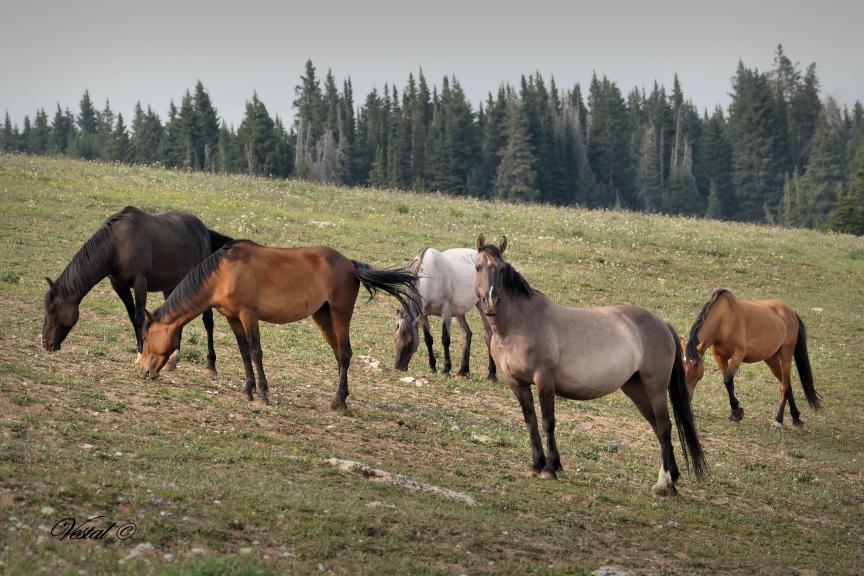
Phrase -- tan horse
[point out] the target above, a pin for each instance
(751, 331)
(582, 354)
(248, 283)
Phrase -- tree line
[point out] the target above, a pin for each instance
(779, 154)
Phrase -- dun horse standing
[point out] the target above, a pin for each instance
(248, 283)
(139, 253)
(445, 283)
(582, 354)
(751, 331)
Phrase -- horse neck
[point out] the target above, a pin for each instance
(710, 328)
(510, 317)
(189, 309)
(88, 267)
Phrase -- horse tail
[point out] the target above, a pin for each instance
(802, 362)
(680, 398)
(401, 283)
(217, 240)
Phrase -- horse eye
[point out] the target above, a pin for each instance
(477, 268)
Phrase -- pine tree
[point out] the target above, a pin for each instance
(256, 134)
(206, 132)
(714, 210)
(105, 131)
(826, 172)
(757, 168)
(119, 148)
(171, 146)
(651, 193)
(804, 109)
(62, 131)
(795, 209)
(25, 135)
(189, 133)
(41, 138)
(309, 120)
(609, 144)
(517, 178)
(87, 145)
(7, 143)
(848, 216)
(716, 162)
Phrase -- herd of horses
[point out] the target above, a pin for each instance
(574, 353)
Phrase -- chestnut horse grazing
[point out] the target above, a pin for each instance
(248, 283)
(751, 331)
(582, 354)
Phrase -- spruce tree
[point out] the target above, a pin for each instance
(256, 135)
(848, 216)
(86, 144)
(609, 144)
(517, 177)
(41, 139)
(714, 210)
(826, 172)
(119, 146)
(171, 146)
(206, 132)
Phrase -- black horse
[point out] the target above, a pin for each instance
(139, 253)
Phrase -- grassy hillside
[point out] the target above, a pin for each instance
(216, 484)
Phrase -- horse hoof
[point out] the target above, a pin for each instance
(249, 397)
(172, 361)
(462, 374)
(664, 491)
(137, 360)
(492, 378)
(547, 475)
(737, 414)
(778, 426)
(338, 405)
(265, 400)
(798, 423)
(210, 372)
(445, 373)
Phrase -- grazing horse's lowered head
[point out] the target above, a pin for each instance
(407, 338)
(694, 367)
(61, 315)
(160, 341)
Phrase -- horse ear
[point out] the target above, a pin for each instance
(503, 244)
(481, 240)
(51, 284)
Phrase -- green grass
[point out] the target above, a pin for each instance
(218, 485)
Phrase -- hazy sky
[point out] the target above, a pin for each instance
(153, 50)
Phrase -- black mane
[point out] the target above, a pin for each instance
(92, 261)
(193, 281)
(693, 342)
(512, 281)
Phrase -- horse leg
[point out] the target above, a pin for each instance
(243, 345)
(125, 294)
(341, 318)
(546, 389)
(522, 391)
(487, 329)
(783, 360)
(139, 288)
(253, 336)
(445, 339)
(729, 368)
(668, 474)
(466, 350)
(324, 319)
(171, 364)
(427, 337)
(207, 318)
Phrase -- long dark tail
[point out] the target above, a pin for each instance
(680, 398)
(401, 283)
(217, 240)
(802, 362)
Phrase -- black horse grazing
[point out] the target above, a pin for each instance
(140, 253)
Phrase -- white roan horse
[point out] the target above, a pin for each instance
(446, 287)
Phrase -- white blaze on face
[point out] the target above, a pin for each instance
(491, 288)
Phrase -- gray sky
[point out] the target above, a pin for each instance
(50, 51)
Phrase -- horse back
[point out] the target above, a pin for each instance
(162, 247)
(765, 326)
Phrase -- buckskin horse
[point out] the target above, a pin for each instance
(139, 253)
(247, 283)
(751, 331)
(583, 354)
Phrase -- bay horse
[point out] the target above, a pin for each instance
(139, 253)
(445, 284)
(247, 283)
(751, 331)
(583, 354)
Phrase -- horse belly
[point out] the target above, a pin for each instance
(587, 381)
